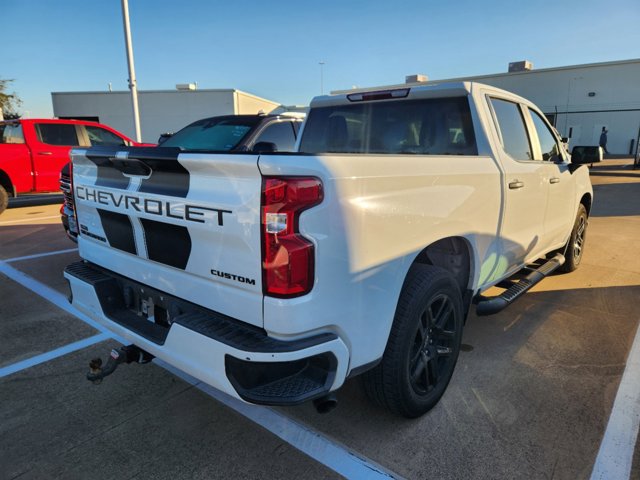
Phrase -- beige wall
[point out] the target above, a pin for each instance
(248, 104)
(616, 103)
(160, 111)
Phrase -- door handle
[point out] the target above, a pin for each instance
(45, 153)
(554, 180)
(516, 184)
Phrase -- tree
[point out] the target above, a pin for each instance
(9, 102)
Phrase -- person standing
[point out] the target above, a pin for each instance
(603, 139)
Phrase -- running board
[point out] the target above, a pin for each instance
(491, 305)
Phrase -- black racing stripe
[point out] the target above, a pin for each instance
(107, 175)
(168, 176)
(119, 231)
(167, 243)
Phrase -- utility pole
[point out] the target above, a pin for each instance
(321, 63)
(133, 86)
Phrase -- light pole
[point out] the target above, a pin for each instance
(133, 86)
(321, 63)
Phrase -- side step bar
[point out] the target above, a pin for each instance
(491, 305)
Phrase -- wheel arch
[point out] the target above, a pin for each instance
(454, 254)
(586, 200)
(5, 182)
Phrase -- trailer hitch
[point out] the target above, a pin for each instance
(126, 354)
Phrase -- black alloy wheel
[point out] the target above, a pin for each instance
(423, 344)
(433, 346)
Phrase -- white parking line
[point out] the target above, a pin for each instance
(26, 220)
(615, 457)
(40, 255)
(49, 294)
(331, 454)
(320, 448)
(58, 352)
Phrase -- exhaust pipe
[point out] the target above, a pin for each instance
(326, 404)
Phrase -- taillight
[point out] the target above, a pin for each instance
(287, 257)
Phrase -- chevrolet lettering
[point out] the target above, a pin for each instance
(178, 210)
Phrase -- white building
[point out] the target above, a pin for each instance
(160, 110)
(579, 99)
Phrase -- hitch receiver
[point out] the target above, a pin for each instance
(126, 354)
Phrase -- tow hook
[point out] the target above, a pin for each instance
(127, 354)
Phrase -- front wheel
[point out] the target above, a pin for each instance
(575, 245)
(423, 344)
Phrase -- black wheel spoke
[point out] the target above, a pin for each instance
(444, 314)
(432, 369)
(442, 334)
(422, 327)
(418, 367)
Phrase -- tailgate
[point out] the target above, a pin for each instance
(184, 223)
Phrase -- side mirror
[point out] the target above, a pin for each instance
(264, 147)
(583, 155)
(164, 137)
(565, 140)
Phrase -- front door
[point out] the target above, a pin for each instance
(561, 201)
(51, 152)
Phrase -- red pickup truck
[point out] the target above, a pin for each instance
(33, 151)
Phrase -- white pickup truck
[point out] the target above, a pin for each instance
(275, 277)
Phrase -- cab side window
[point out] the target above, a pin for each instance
(548, 143)
(101, 136)
(512, 129)
(57, 134)
(280, 133)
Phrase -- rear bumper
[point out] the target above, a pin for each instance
(225, 353)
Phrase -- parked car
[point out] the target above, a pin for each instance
(238, 133)
(232, 133)
(276, 277)
(33, 151)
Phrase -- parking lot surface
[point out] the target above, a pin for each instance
(532, 395)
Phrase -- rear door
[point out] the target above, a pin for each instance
(50, 149)
(187, 224)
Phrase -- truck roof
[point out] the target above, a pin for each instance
(406, 90)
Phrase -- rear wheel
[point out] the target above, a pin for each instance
(575, 246)
(4, 199)
(423, 344)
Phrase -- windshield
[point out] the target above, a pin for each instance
(218, 133)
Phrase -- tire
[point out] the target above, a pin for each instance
(575, 245)
(4, 199)
(423, 344)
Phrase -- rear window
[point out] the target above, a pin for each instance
(427, 127)
(218, 134)
(57, 134)
(11, 133)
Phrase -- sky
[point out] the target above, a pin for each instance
(272, 48)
